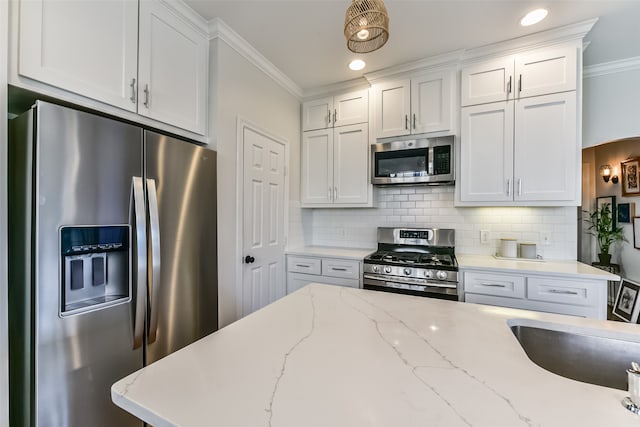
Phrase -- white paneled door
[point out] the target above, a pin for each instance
(263, 228)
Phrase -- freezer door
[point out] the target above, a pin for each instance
(84, 168)
(183, 291)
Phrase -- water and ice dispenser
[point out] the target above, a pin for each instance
(95, 267)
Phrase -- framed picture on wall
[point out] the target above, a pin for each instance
(626, 306)
(626, 211)
(631, 177)
(611, 201)
(636, 232)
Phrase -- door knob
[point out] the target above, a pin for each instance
(249, 259)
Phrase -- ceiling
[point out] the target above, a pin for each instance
(304, 38)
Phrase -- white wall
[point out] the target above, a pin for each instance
(433, 207)
(611, 105)
(4, 359)
(238, 88)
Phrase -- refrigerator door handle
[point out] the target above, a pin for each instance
(154, 259)
(141, 261)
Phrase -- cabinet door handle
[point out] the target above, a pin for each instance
(519, 187)
(329, 116)
(406, 121)
(335, 116)
(509, 85)
(520, 83)
(508, 186)
(562, 292)
(493, 285)
(335, 193)
(338, 269)
(303, 265)
(133, 90)
(330, 194)
(414, 120)
(146, 95)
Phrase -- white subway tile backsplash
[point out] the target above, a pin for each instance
(433, 207)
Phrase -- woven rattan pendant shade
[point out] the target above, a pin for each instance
(366, 25)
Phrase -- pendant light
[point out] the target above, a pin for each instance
(366, 25)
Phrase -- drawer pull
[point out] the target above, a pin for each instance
(338, 269)
(493, 285)
(563, 292)
(303, 265)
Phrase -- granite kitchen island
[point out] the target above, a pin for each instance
(334, 356)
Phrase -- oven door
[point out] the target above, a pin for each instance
(411, 286)
(421, 161)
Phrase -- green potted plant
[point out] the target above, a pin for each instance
(606, 232)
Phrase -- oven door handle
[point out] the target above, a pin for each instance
(410, 281)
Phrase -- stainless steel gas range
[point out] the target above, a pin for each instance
(416, 261)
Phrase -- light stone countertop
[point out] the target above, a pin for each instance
(561, 268)
(330, 251)
(335, 356)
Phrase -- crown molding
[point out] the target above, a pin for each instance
(190, 16)
(628, 64)
(355, 84)
(445, 60)
(218, 29)
(565, 33)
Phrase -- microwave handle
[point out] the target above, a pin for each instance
(430, 161)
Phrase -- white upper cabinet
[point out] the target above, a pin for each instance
(422, 104)
(153, 63)
(342, 110)
(536, 72)
(172, 68)
(520, 151)
(334, 167)
(86, 47)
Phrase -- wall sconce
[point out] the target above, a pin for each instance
(607, 173)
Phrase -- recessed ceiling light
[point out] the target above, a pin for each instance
(357, 64)
(533, 17)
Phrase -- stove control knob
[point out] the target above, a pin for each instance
(375, 268)
(387, 269)
(442, 275)
(428, 274)
(407, 271)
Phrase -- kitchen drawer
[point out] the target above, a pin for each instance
(576, 292)
(296, 281)
(494, 284)
(346, 269)
(298, 264)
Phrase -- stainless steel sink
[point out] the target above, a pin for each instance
(591, 356)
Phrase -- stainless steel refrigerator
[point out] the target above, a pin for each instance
(113, 261)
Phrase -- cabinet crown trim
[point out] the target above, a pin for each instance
(218, 29)
(628, 64)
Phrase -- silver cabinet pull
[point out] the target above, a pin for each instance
(335, 116)
(519, 186)
(414, 120)
(330, 194)
(338, 269)
(139, 219)
(146, 95)
(509, 85)
(493, 285)
(406, 121)
(562, 292)
(508, 186)
(329, 116)
(303, 265)
(155, 256)
(335, 193)
(520, 83)
(133, 90)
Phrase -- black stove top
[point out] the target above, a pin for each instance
(416, 259)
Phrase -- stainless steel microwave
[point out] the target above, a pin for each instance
(427, 161)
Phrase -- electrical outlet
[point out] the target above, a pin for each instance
(546, 240)
(484, 236)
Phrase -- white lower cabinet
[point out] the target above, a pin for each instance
(547, 293)
(302, 270)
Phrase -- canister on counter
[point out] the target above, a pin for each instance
(528, 250)
(508, 248)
